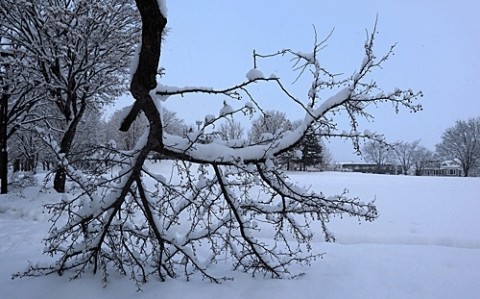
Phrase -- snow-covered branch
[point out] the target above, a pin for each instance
(221, 193)
(233, 91)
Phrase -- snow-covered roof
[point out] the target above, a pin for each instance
(450, 164)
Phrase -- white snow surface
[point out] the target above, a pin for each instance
(425, 244)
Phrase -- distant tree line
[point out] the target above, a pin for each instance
(311, 151)
(460, 144)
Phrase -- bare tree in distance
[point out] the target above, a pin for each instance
(462, 143)
(327, 161)
(378, 152)
(268, 126)
(231, 130)
(225, 192)
(405, 154)
(127, 140)
(422, 157)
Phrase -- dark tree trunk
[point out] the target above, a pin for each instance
(144, 79)
(60, 180)
(4, 171)
(65, 148)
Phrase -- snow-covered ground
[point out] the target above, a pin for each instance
(425, 244)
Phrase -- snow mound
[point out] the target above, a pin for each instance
(254, 74)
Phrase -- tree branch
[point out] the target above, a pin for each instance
(144, 78)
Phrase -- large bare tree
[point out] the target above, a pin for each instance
(78, 54)
(226, 191)
(462, 143)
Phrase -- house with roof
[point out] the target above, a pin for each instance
(442, 168)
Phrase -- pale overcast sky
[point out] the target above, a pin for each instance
(210, 43)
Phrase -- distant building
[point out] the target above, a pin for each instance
(442, 168)
(368, 168)
(431, 168)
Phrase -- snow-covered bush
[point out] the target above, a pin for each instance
(22, 179)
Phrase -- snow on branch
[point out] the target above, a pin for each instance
(233, 92)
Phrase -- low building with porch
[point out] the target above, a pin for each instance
(442, 168)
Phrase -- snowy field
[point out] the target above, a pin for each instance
(425, 244)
